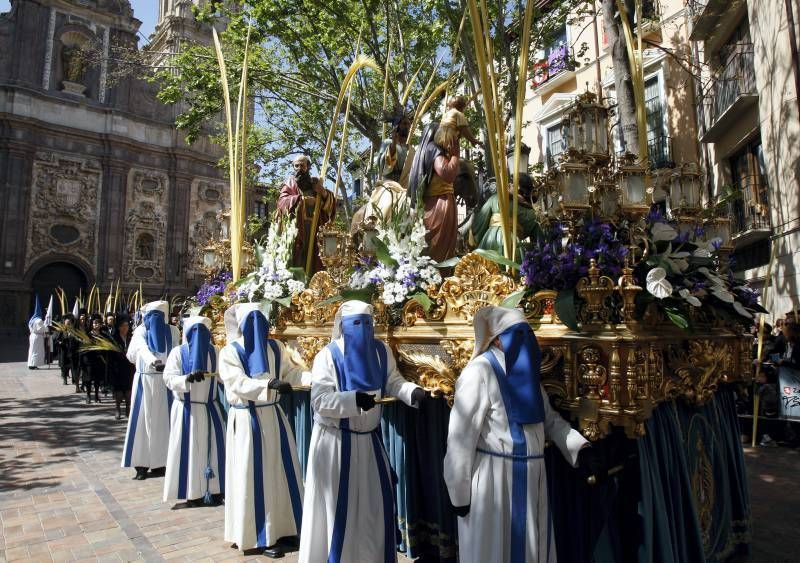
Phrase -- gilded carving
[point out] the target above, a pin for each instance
(594, 290)
(695, 372)
(477, 282)
(310, 306)
(460, 352)
(310, 346)
(430, 372)
(66, 192)
(592, 375)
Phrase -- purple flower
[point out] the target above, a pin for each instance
(716, 243)
(699, 231)
(655, 215)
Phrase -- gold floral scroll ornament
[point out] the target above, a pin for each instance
(308, 305)
(476, 283)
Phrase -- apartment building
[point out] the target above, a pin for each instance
(720, 91)
(749, 129)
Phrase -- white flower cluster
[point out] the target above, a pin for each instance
(411, 270)
(272, 280)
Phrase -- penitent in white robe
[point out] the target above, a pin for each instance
(196, 436)
(36, 351)
(349, 525)
(261, 505)
(478, 421)
(147, 437)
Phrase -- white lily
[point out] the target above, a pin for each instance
(658, 284)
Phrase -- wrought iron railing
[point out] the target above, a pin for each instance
(737, 78)
(659, 152)
(751, 211)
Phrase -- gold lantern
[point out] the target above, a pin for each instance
(573, 181)
(633, 185)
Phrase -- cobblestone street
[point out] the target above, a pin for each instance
(64, 497)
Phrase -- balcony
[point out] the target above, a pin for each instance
(734, 92)
(710, 16)
(750, 220)
(556, 69)
(659, 152)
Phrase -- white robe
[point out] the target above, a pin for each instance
(478, 420)
(364, 530)
(186, 468)
(282, 494)
(36, 352)
(147, 437)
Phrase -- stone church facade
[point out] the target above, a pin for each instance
(96, 184)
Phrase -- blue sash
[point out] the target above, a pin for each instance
(519, 472)
(258, 460)
(387, 492)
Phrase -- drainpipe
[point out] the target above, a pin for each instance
(597, 53)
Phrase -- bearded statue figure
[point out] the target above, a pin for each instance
(298, 197)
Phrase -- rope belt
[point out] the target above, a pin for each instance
(193, 402)
(351, 431)
(510, 456)
(255, 406)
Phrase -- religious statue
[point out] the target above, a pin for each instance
(433, 173)
(73, 61)
(302, 195)
(486, 231)
(394, 152)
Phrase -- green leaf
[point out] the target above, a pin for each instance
(298, 273)
(422, 298)
(566, 308)
(496, 257)
(331, 300)
(382, 253)
(513, 299)
(677, 318)
(285, 301)
(449, 263)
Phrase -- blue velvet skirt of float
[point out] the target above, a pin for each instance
(196, 457)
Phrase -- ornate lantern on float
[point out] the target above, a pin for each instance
(685, 190)
(369, 237)
(632, 179)
(606, 193)
(585, 127)
(573, 181)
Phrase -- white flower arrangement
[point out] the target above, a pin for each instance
(273, 279)
(402, 269)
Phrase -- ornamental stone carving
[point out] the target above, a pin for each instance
(64, 206)
(208, 198)
(146, 225)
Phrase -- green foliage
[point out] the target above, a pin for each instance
(300, 51)
(566, 308)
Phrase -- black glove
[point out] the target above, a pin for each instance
(418, 395)
(461, 511)
(159, 365)
(591, 462)
(198, 375)
(280, 386)
(365, 401)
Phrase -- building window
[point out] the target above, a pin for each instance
(555, 143)
(261, 209)
(553, 60)
(750, 210)
(658, 143)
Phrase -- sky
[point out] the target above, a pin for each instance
(145, 10)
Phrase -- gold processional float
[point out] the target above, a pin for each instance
(620, 363)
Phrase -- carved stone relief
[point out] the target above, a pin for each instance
(64, 200)
(207, 200)
(146, 225)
